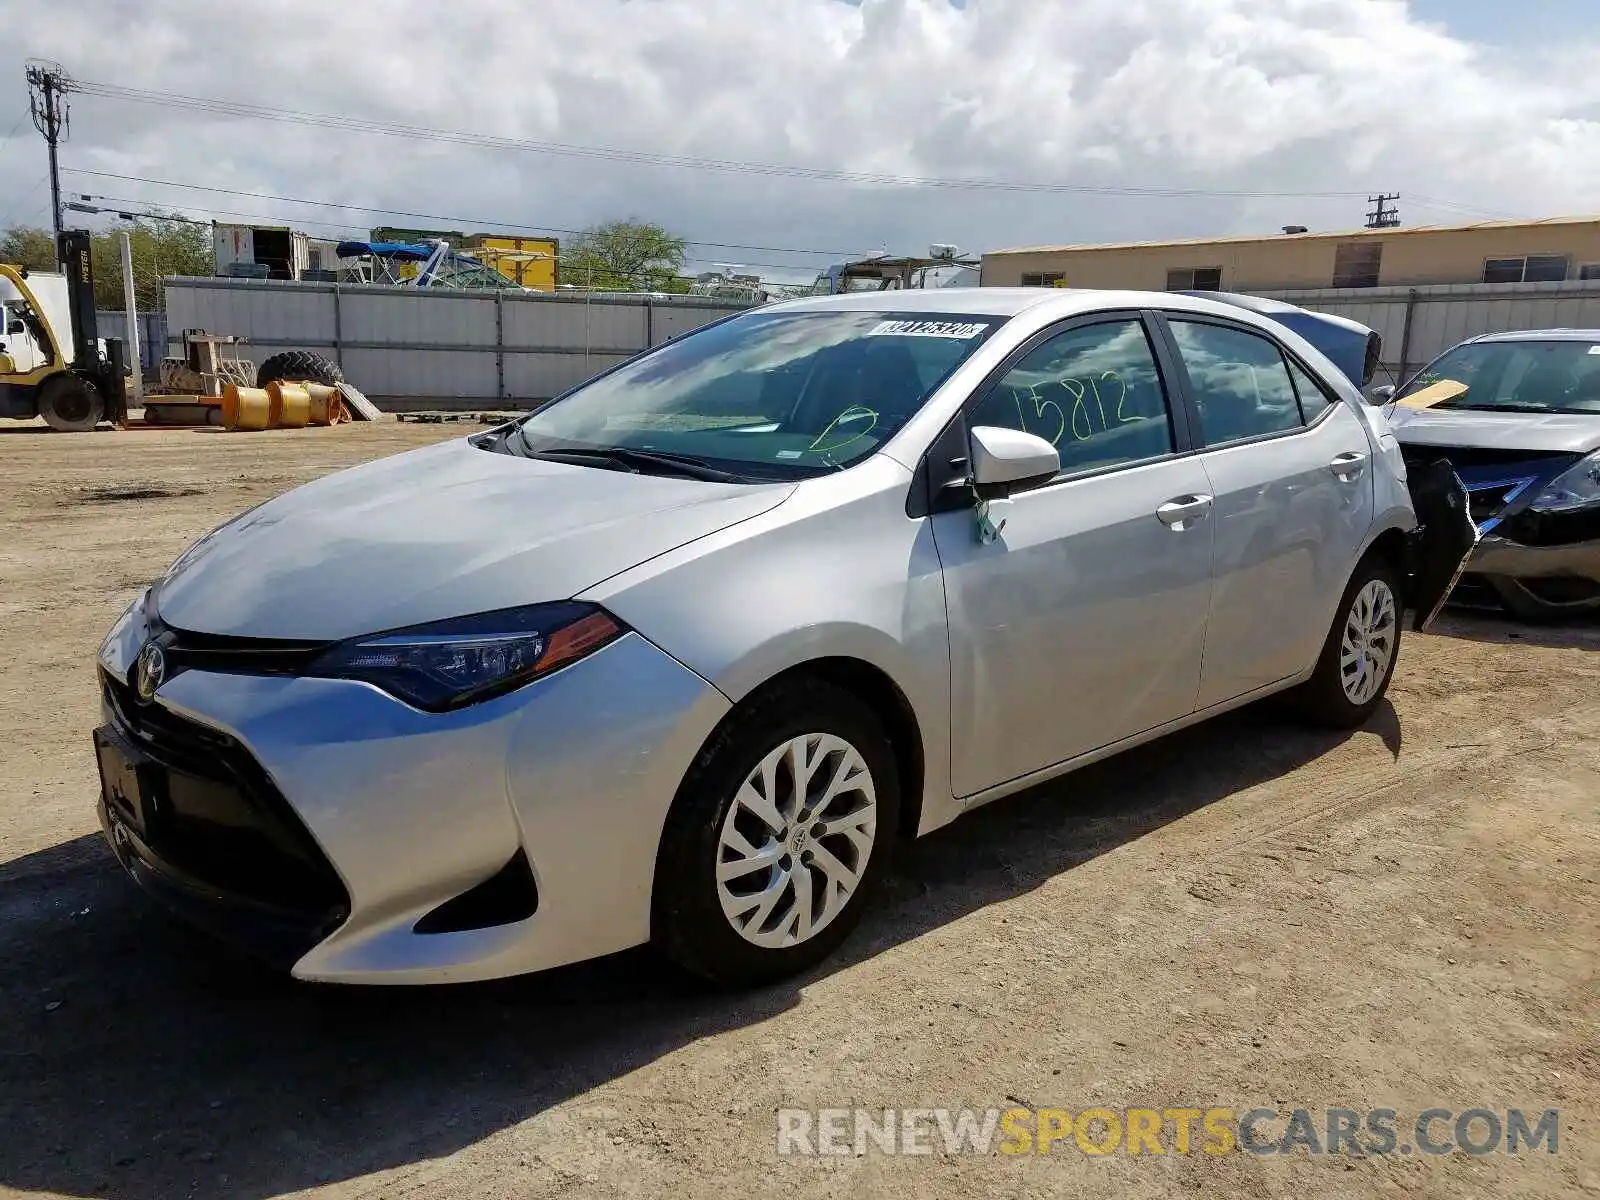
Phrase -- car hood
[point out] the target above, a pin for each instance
(1574, 433)
(444, 531)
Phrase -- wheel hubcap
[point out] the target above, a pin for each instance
(1367, 647)
(796, 840)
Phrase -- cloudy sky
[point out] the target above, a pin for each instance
(1268, 111)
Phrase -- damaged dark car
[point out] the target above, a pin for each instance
(1518, 417)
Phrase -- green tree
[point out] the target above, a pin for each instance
(27, 247)
(625, 256)
(161, 246)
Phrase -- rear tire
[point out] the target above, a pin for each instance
(70, 404)
(806, 880)
(1359, 655)
(298, 366)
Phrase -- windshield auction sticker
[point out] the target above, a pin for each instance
(938, 329)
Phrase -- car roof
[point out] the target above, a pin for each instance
(1541, 335)
(1047, 303)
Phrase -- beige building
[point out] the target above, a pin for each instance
(1546, 251)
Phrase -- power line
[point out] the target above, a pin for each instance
(613, 154)
(221, 212)
(399, 212)
(6, 141)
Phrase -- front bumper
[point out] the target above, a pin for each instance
(411, 811)
(1538, 580)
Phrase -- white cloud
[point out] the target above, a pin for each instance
(1266, 95)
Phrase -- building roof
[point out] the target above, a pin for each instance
(1341, 235)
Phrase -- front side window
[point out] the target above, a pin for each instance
(1239, 380)
(768, 395)
(1531, 376)
(1094, 392)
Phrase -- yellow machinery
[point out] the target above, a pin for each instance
(52, 362)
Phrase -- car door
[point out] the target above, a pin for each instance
(1289, 467)
(1083, 620)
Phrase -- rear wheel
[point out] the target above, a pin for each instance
(298, 366)
(1358, 657)
(70, 404)
(778, 837)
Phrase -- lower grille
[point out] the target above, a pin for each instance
(1474, 591)
(221, 821)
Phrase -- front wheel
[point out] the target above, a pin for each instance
(778, 837)
(1358, 657)
(70, 403)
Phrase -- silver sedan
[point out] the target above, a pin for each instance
(680, 657)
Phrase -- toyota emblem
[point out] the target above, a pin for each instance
(151, 670)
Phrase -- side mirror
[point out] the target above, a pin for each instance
(15, 325)
(1006, 460)
(1381, 394)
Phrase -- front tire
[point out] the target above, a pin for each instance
(779, 836)
(1358, 657)
(70, 404)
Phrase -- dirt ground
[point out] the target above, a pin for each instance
(1247, 915)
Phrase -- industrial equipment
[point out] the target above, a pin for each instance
(880, 273)
(59, 369)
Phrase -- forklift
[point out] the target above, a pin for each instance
(53, 363)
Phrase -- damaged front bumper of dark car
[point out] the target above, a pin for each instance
(1538, 550)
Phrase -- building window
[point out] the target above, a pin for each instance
(1194, 279)
(1535, 268)
(1357, 264)
(1043, 279)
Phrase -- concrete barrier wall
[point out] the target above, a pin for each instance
(410, 348)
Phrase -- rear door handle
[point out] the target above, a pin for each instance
(1184, 511)
(1348, 466)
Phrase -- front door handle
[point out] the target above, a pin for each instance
(1348, 466)
(1184, 511)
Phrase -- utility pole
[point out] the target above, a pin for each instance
(48, 86)
(1381, 217)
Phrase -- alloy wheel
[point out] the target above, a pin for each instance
(1366, 648)
(796, 840)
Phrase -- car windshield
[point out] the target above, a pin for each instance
(1512, 376)
(774, 395)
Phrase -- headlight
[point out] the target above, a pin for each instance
(1577, 487)
(448, 664)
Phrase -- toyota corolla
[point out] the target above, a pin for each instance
(680, 657)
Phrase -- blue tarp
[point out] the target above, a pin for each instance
(404, 251)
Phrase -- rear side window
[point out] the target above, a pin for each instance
(1240, 382)
(1093, 391)
(1314, 398)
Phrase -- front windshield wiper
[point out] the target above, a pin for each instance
(1510, 408)
(641, 462)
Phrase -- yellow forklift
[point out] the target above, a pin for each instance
(53, 364)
